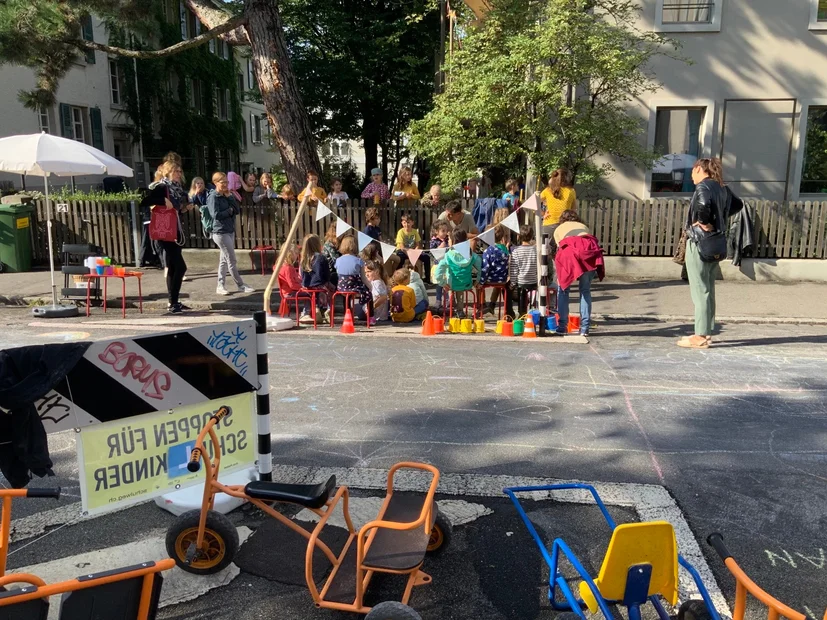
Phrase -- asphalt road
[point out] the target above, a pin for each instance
(736, 434)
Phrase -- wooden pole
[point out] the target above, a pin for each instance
(283, 252)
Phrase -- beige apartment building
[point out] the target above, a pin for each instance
(755, 95)
(90, 108)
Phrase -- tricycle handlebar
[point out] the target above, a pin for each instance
(34, 492)
(716, 541)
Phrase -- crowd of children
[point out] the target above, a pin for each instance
(395, 290)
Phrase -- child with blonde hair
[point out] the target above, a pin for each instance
(375, 272)
(403, 299)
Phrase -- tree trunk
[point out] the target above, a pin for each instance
(370, 140)
(280, 91)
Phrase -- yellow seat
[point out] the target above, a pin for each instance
(650, 543)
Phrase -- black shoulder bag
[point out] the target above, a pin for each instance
(712, 246)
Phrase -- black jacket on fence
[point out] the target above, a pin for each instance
(741, 240)
(26, 375)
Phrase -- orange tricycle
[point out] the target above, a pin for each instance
(8, 495)
(406, 529)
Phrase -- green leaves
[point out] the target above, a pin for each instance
(550, 79)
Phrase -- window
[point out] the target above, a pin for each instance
(678, 135)
(222, 97)
(43, 119)
(818, 14)
(114, 82)
(334, 149)
(77, 124)
(197, 97)
(212, 46)
(240, 85)
(88, 35)
(183, 19)
(345, 149)
(266, 130)
(688, 15)
(243, 136)
(814, 170)
(251, 79)
(326, 149)
(255, 129)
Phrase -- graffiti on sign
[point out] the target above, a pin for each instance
(153, 382)
(122, 463)
(53, 408)
(229, 346)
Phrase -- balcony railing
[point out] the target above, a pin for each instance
(678, 12)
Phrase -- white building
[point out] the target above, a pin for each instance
(90, 108)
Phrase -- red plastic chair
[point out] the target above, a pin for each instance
(303, 295)
(348, 297)
(475, 301)
(500, 286)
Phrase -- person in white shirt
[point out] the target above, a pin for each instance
(337, 197)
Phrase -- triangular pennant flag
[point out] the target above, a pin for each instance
(322, 211)
(487, 236)
(413, 256)
(387, 251)
(342, 227)
(363, 240)
(532, 203)
(512, 222)
(438, 253)
(464, 248)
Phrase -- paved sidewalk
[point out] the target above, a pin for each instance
(666, 300)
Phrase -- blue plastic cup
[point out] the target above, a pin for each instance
(551, 322)
(100, 269)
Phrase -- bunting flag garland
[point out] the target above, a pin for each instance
(532, 203)
(487, 236)
(464, 248)
(413, 256)
(363, 240)
(342, 227)
(438, 253)
(322, 211)
(387, 251)
(512, 222)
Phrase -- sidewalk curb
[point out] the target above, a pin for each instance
(249, 306)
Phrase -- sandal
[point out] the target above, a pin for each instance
(695, 342)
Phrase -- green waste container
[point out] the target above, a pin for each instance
(15, 237)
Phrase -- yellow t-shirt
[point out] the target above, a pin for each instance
(403, 302)
(408, 188)
(317, 191)
(408, 241)
(556, 206)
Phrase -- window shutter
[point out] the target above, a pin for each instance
(182, 15)
(88, 34)
(66, 129)
(212, 45)
(250, 77)
(97, 128)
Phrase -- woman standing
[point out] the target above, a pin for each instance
(264, 194)
(559, 196)
(708, 213)
(169, 192)
(248, 188)
(405, 193)
(223, 209)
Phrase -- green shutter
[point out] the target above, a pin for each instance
(97, 128)
(88, 35)
(66, 129)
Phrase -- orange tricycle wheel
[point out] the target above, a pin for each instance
(217, 550)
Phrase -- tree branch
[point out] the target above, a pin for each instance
(227, 26)
(212, 17)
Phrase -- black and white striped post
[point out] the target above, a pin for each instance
(543, 292)
(265, 456)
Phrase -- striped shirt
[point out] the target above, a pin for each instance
(523, 265)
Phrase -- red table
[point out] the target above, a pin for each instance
(129, 274)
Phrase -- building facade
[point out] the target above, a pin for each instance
(755, 95)
(92, 108)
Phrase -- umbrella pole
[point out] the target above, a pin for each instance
(49, 236)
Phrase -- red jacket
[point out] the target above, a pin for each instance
(576, 256)
(289, 280)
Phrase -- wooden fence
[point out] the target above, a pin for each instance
(625, 228)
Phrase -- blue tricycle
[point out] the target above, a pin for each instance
(641, 565)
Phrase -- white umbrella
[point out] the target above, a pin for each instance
(44, 155)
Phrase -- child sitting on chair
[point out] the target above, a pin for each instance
(523, 268)
(420, 292)
(289, 280)
(440, 230)
(403, 299)
(379, 289)
(315, 274)
(495, 270)
(455, 272)
(352, 277)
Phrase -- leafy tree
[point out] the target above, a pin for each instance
(547, 80)
(814, 177)
(365, 68)
(46, 35)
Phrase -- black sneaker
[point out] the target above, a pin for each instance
(176, 308)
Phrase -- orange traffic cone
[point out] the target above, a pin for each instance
(428, 325)
(347, 325)
(529, 332)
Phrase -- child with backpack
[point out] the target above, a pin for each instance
(455, 272)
